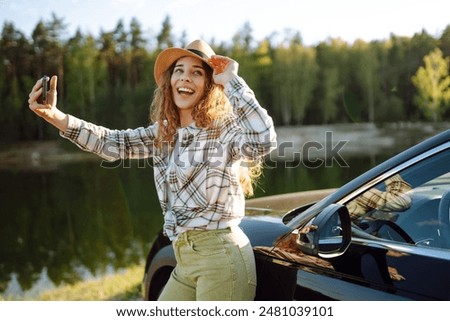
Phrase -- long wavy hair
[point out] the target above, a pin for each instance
(213, 107)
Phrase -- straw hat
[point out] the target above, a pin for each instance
(197, 49)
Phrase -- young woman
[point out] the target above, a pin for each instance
(207, 138)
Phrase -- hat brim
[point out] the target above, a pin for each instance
(168, 56)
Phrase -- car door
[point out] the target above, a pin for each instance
(400, 243)
(404, 247)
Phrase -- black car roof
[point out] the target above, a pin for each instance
(374, 172)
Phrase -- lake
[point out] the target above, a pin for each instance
(66, 218)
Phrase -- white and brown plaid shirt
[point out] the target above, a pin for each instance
(396, 197)
(198, 183)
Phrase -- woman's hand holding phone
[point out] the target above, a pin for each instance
(42, 101)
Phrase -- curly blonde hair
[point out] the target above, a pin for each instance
(213, 107)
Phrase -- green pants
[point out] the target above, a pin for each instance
(213, 265)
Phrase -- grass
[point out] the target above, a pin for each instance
(122, 286)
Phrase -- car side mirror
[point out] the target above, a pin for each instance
(328, 234)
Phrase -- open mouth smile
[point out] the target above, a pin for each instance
(185, 91)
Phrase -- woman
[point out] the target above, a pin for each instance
(208, 132)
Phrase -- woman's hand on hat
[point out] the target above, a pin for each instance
(225, 69)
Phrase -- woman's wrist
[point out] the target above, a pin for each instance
(60, 120)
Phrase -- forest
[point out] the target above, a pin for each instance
(108, 78)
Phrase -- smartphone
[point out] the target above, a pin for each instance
(44, 89)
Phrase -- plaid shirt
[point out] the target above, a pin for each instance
(397, 197)
(198, 182)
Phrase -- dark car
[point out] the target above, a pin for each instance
(383, 236)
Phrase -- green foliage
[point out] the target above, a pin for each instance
(108, 79)
(294, 79)
(433, 85)
(121, 286)
(332, 58)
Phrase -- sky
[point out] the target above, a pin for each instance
(315, 20)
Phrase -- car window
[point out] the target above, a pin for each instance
(411, 206)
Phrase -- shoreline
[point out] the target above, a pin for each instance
(312, 141)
